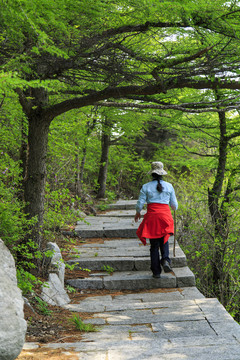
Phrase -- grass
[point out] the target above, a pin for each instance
(80, 325)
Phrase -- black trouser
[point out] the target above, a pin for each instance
(154, 254)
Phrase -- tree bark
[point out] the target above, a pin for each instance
(80, 169)
(34, 187)
(33, 102)
(218, 215)
(23, 158)
(125, 91)
(215, 192)
(102, 176)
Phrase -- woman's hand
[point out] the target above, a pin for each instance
(137, 216)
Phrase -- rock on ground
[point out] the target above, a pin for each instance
(12, 324)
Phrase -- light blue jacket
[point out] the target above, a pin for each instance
(149, 194)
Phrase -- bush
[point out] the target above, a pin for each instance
(59, 210)
(27, 281)
(196, 235)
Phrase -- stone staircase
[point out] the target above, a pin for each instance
(123, 253)
(166, 318)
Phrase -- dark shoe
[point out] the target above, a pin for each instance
(166, 266)
(156, 276)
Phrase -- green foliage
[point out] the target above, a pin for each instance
(195, 233)
(70, 289)
(80, 325)
(70, 267)
(12, 220)
(111, 195)
(126, 171)
(26, 281)
(103, 207)
(47, 45)
(42, 306)
(68, 147)
(74, 265)
(59, 210)
(15, 227)
(109, 269)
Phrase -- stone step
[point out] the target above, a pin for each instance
(122, 255)
(109, 227)
(135, 280)
(112, 224)
(120, 213)
(171, 319)
(122, 264)
(103, 233)
(122, 205)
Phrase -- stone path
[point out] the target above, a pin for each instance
(172, 322)
(131, 264)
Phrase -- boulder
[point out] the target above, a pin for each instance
(54, 263)
(12, 324)
(53, 291)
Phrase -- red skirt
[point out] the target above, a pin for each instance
(157, 222)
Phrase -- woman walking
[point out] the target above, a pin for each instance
(157, 224)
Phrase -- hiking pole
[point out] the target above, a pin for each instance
(174, 244)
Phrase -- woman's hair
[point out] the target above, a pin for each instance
(158, 178)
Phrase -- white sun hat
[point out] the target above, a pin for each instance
(157, 168)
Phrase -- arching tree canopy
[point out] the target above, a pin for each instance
(163, 71)
(62, 55)
(84, 52)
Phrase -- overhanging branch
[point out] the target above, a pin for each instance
(234, 135)
(196, 153)
(174, 62)
(122, 92)
(165, 107)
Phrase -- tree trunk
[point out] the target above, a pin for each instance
(218, 215)
(33, 102)
(78, 185)
(23, 158)
(102, 177)
(82, 165)
(80, 169)
(34, 188)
